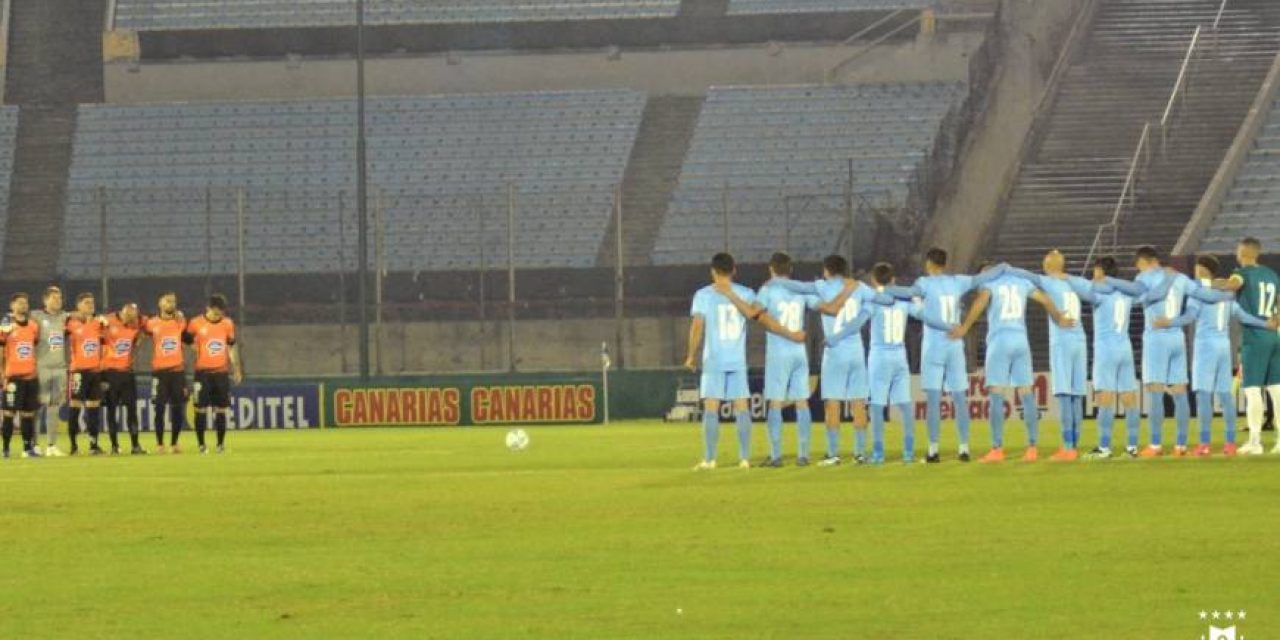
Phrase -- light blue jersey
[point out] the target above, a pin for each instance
(724, 347)
(1168, 306)
(1211, 367)
(786, 363)
(1008, 361)
(849, 344)
(1113, 368)
(1068, 346)
(943, 298)
(887, 361)
(1062, 291)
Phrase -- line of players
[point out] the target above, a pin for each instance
(51, 354)
(880, 377)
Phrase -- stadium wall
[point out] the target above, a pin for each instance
(940, 57)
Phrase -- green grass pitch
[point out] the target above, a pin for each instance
(604, 532)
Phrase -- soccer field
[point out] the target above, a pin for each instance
(604, 532)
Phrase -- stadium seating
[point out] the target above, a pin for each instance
(439, 168)
(1252, 207)
(813, 6)
(158, 15)
(763, 152)
(8, 135)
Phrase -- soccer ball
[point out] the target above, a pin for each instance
(517, 440)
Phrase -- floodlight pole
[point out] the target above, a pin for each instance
(362, 204)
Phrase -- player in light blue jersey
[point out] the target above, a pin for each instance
(1008, 361)
(786, 363)
(1162, 293)
(942, 360)
(1211, 372)
(887, 362)
(1068, 348)
(720, 311)
(843, 304)
(1114, 374)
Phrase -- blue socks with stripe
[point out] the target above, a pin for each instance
(1228, 401)
(962, 418)
(773, 424)
(1182, 416)
(710, 434)
(804, 430)
(859, 441)
(1155, 417)
(1067, 411)
(933, 418)
(1031, 415)
(744, 435)
(1106, 422)
(877, 433)
(1132, 425)
(833, 442)
(1204, 412)
(997, 420)
(909, 433)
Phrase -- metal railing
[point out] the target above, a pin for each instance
(1142, 155)
(829, 76)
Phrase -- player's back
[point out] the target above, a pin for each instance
(788, 308)
(1111, 314)
(829, 290)
(1067, 301)
(1007, 311)
(1257, 294)
(943, 299)
(889, 327)
(724, 346)
(1170, 306)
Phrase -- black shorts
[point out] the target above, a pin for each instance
(169, 388)
(85, 386)
(122, 388)
(212, 390)
(22, 394)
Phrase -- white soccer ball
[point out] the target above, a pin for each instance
(517, 440)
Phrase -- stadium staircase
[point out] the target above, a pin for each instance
(666, 130)
(55, 63)
(1119, 79)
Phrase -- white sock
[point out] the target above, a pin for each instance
(1274, 392)
(1255, 411)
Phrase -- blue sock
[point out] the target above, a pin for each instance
(1204, 411)
(833, 442)
(997, 421)
(1132, 425)
(1155, 416)
(804, 431)
(877, 431)
(1067, 408)
(933, 418)
(1106, 421)
(859, 441)
(1182, 417)
(1031, 415)
(909, 433)
(962, 418)
(1078, 414)
(773, 423)
(744, 435)
(1228, 401)
(710, 434)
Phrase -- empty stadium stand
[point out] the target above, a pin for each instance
(443, 170)
(155, 15)
(8, 132)
(1252, 206)
(761, 152)
(817, 6)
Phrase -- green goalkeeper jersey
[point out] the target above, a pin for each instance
(1257, 293)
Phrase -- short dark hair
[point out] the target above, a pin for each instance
(1210, 263)
(1147, 252)
(882, 273)
(836, 264)
(21, 295)
(84, 295)
(218, 301)
(1108, 265)
(781, 263)
(51, 289)
(936, 256)
(1252, 243)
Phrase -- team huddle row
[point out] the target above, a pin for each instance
(86, 359)
(879, 376)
